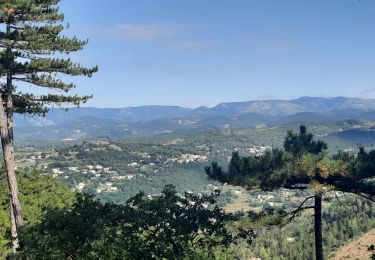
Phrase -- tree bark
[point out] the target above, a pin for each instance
(6, 135)
(15, 241)
(8, 154)
(318, 227)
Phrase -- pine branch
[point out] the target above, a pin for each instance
(39, 105)
(37, 44)
(300, 208)
(65, 66)
(46, 81)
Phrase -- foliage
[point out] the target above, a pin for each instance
(248, 171)
(301, 143)
(37, 193)
(167, 226)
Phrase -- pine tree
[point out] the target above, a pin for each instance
(312, 168)
(305, 165)
(234, 164)
(31, 38)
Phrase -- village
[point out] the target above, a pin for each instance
(141, 164)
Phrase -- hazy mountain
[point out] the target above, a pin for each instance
(319, 104)
(128, 114)
(147, 120)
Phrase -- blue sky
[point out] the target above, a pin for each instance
(203, 52)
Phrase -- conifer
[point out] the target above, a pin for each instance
(33, 54)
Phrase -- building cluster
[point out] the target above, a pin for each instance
(187, 158)
(106, 187)
(258, 150)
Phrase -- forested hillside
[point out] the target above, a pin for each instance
(115, 169)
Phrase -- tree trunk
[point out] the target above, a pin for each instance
(15, 241)
(6, 135)
(8, 154)
(318, 227)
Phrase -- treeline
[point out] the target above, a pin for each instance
(257, 170)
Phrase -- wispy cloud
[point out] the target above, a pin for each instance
(192, 45)
(144, 32)
(369, 91)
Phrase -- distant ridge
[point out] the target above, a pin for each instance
(155, 119)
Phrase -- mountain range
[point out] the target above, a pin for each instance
(88, 122)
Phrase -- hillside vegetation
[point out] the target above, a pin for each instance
(115, 169)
